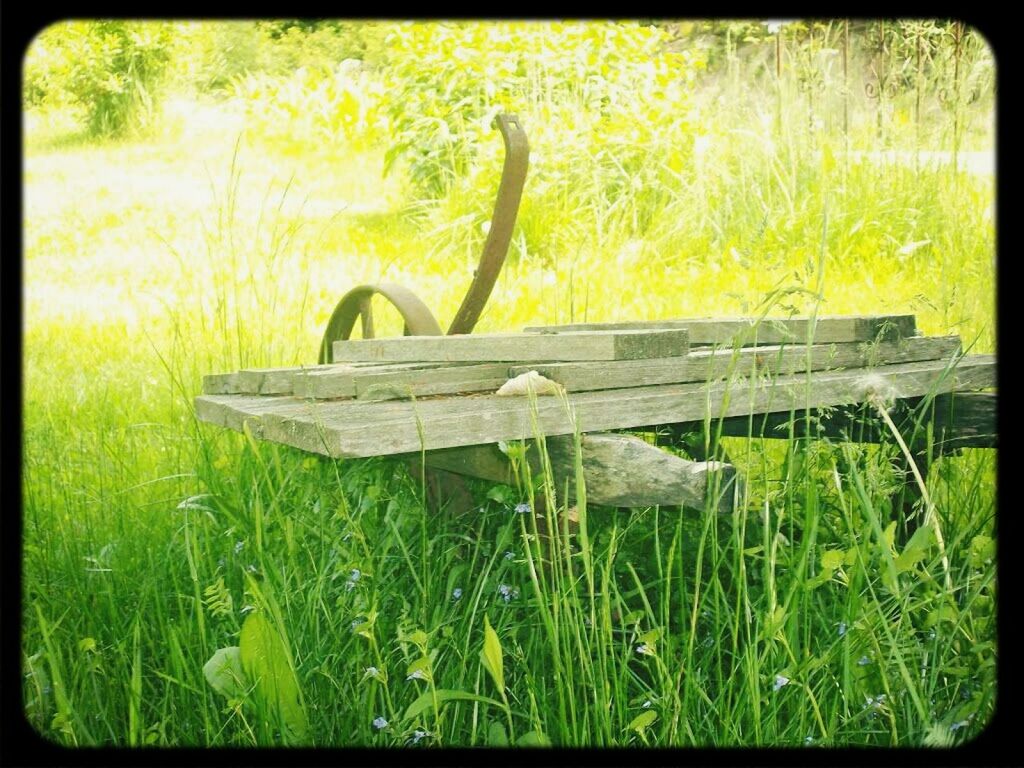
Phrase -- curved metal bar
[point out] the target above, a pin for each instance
(418, 319)
(506, 206)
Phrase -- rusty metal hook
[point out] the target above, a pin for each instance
(418, 319)
(506, 206)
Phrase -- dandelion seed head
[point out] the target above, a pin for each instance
(877, 390)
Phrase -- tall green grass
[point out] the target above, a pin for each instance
(150, 539)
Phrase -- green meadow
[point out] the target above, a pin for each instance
(197, 198)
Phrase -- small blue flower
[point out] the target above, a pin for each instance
(507, 592)
(863, 661)
(380, 723)
(646, 704)
(808, 740)
(780, 680)
(522, 508)
(371, 672)
(417, 735)
(958, 726)
(457, 593)
(842, 628)
(508, 554)
(417, 675)
(238, 546)
(355, 575)
(643, 649)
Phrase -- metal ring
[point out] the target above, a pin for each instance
(418, 319)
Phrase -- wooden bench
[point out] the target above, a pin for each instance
(430, 397)
(434, 397)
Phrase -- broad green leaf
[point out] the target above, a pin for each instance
(651, 637)
(266, 663)
(426, 701)
(533, 739)
(419, 669)
(502, 494)
(942, 613)
(496, 735)
(908, 558)
(490, 655)
(643, 720)
(832, 559)
(923, 538)
(983, 549)
(224, 672)
(889, 535)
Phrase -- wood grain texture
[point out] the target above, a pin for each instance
(404, 382)
(835, 328)
(618, 471)
(521, 347)
(706, 364)
(355, 428)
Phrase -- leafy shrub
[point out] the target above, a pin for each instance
(343, 104)
(605, 106)
(111, 69)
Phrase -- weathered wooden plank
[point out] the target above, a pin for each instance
(706, 364)
(833, 328)
(967, 420)
(387, 383)
(220, 384)
(282, 381)
(618, 471)
(960, 420)
(271, 381)
(354, 429)
(625, 471)
(495, 347)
